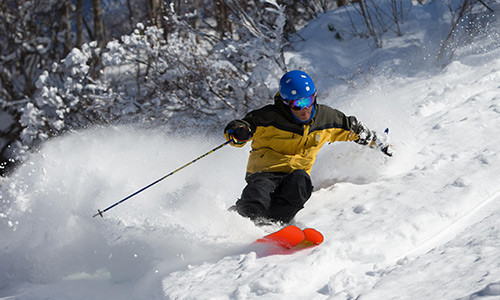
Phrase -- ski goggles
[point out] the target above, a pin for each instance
(302, 103)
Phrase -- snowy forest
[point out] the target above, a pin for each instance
(67, 65)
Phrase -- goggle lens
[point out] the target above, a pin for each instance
(300, 104)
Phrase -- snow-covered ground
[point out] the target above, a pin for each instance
(420, 225)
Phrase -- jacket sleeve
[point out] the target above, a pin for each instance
(370, 138)
(355, 130)
(365, 135)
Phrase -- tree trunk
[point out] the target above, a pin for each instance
(369, 23)
(79, 23)
(222, 16)
(156, 8)
(66, 27)
(131, 15)
(99, 34)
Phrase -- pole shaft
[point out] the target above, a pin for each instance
(101, 212)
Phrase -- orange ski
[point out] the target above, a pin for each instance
(312, 237)
(288, 237)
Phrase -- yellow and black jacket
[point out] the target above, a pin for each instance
(282, 144)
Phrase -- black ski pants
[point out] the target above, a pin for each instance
(274, 196)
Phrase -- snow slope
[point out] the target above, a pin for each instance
(420, 225)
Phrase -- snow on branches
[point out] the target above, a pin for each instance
(148, 77)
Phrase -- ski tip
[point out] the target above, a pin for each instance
(313, 236)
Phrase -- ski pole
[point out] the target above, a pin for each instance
(101, 212)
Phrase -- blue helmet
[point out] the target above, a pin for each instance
(296, 85)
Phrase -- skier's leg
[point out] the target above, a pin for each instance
(290, 196)
(256, 196)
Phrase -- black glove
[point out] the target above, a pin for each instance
(387, 150)
(238, 131)
(242, 133)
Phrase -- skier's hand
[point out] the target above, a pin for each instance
(239, 132)
(387, 150)
(382, 142)
(242, 134)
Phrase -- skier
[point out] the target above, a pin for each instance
(286, 137)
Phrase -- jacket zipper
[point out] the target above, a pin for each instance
(303, 140)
